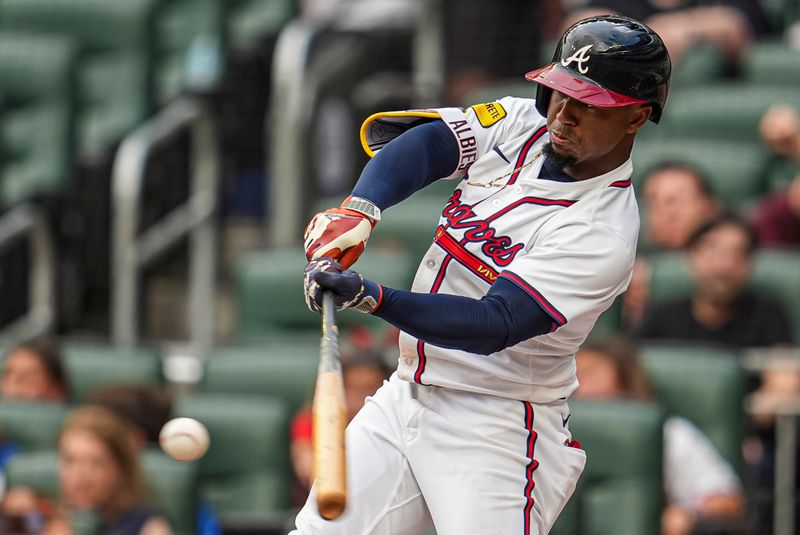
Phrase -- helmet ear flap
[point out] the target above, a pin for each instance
(543, 94)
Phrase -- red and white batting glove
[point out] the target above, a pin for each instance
(341, 233)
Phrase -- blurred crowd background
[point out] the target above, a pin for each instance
(159, 160)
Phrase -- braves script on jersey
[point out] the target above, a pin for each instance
(570, 245)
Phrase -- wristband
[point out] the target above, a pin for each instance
(362, 206)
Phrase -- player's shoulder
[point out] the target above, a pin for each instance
(514, 113)
(615, 209)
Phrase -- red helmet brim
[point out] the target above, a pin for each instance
(565, 81)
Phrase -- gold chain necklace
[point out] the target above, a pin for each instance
(494, 182)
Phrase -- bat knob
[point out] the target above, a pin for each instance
(332, 507)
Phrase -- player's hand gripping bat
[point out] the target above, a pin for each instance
(329, 420)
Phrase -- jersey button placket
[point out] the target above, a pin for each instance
(430, 263)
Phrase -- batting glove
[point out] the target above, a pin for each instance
(349, 288)
(341, 233)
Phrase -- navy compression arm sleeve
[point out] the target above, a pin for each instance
(408, 163)
(502, 318)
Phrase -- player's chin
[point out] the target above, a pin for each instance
(563, 156)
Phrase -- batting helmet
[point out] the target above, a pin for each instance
(607, 61)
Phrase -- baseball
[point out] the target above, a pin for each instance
(184, 439)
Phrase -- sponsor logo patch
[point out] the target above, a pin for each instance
(489, 113)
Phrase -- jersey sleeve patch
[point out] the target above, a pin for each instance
(489, 113)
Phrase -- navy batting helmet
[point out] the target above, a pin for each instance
(607, 61)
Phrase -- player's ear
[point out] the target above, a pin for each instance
(638, 117)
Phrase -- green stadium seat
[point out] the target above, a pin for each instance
(621, 488)
(704, 65)
(703, 385)
(411, 223)
(773, 64)
(38, 114)
(246, 470)
(170, 484)
(735, 170)
(114, 86)
(722, 111)
(89, 367)
(781, 13)
(284, 368)
(775, 273)
(669, 277)
(269, 291)
(173, 487)
(184, 30)
(31, 425)
(37, 470)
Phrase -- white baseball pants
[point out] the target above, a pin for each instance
(464, 462)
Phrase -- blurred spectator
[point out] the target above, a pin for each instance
(729, 25)
(99, 472)
(146, 407)
(33, 372)
(777, 218)
(363, 372)
(677, 201)
(721, 309)
(699, 484)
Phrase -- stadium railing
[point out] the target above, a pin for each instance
(133, 250)
(26, 220)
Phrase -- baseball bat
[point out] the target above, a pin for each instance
(329, 420)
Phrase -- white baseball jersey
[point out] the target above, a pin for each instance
(570, 245)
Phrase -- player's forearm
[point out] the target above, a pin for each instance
(407, 164)
(483, 326)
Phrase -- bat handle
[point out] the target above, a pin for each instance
(329, 420)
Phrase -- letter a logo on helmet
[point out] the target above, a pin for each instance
(581, 57)
(629, 65)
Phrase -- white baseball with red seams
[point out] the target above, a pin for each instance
(184, 439)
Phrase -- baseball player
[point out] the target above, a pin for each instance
(535, 242)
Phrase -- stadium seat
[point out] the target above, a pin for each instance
(722, 111)
(246, 470)
(620, 490)
(170, 484)
(773, 64)
(736, 170)
(114, 86)
(269, 291)
(284, 367)
(775, 273)
(705, 386)
(173, 486)
(187, 31)
(89, 367)
(30, 425)
(705, 65)
(37, 470)
(37, 99)
(781, 13)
